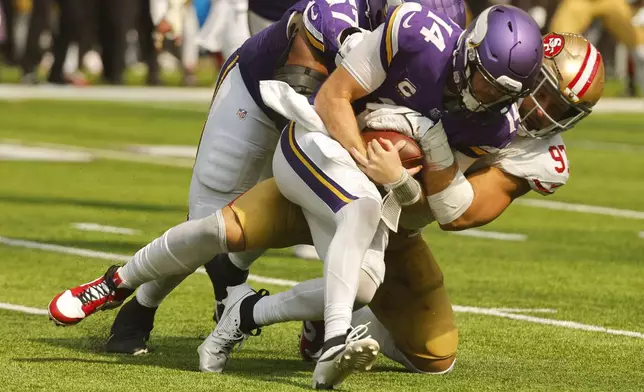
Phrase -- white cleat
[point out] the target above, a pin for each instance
(216, 349)
(357, 354)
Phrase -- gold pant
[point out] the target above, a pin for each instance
(412, 302)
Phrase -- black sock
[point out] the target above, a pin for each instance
(223, 274)
(334, 341)
(247, 321)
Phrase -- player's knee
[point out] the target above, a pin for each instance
(234, 232)
(367, 209)
(436, 366)
(366, 290)
(209, 231)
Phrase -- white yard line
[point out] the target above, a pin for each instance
(23, 309)
(87, 226)
(509, 313)
(107, 93)
(521, 310)
(604, 146)
(545, 321)
(584, 208)
(116, 155)
(201, 96)
(117, 257)
(494, 235)
(641, 234)
(64, 249)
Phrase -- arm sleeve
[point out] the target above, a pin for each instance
(364, 62)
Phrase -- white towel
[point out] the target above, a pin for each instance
(281, 97)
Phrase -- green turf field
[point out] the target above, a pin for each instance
(587, 268)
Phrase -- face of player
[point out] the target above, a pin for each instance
(544, 107)
(485, 92)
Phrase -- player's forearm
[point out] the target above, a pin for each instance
(333, 104)
(435, 181)
(493, 191)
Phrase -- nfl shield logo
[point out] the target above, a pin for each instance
(241, 113)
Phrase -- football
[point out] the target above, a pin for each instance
(411, 155)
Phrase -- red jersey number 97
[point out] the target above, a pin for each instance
(558, 153)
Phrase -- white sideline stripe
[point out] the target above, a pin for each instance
(107, 93)
(561, 206)
(491, 235)
(64, 249)
(87, 226)
(519, 310)
(544, 321)
(117, 257)
(498, 312)
(23, 309)
(509, 313)
(202, 96)
(605, 146)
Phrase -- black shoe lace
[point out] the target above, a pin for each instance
(93, 293)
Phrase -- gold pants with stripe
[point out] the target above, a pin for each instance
(412, 302)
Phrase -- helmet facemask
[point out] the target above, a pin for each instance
(485, 92)
(546, 112)
(495, 95)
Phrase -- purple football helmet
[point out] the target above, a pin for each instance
(504, 45)
(454, 9)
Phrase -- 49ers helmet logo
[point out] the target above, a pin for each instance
(552, 45)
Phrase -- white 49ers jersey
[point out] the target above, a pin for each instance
(542, 162)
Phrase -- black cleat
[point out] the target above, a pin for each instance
(131, 329)
(223, 274)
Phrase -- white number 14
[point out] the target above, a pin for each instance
(434, 33)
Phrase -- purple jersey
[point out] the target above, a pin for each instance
(324, 22)
(416, 52)
(264, 52)
(416, 46)
(477, 134)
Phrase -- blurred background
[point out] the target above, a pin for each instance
(183, 42)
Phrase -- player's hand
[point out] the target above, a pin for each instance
(164, 27)
(382, 163)
(397, 118)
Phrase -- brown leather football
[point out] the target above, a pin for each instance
(411, 155)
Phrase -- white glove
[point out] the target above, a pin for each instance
(430, 135)
(398, 118)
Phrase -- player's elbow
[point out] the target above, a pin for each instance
(468, 220)
(463, 222)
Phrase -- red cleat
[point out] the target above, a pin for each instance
(73, 305)
(311, 340)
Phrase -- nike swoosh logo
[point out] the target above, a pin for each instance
(406, 21)
(308, 331)
(314, 16)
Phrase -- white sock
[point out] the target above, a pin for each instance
(244, 260)
(357, 223)
(179, 251)
(304, 301)
(152, 293)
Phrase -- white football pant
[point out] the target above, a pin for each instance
(235, 153)
(342, 208)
